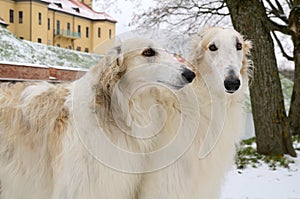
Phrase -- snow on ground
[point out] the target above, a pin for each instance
(14, 49)
(263, 183)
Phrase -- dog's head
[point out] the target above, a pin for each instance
(139, 61)
(149, 57)
(223, 50)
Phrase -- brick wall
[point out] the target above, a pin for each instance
(28, 72)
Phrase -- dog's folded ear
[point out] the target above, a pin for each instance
(114, 56)
(112, 71)
(247, 46)
(197, 52)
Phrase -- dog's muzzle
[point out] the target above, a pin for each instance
(232, 84)
(188, 75)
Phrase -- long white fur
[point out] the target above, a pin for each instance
(42, 127)
(42, 156)
(191, 177)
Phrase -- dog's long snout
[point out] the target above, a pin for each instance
(188, 75)
(232, 84)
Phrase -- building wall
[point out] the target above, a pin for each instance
(39, 31)
(99, 45)
(50, 32)
(31, 30)
(7, 5)
(59, 39)
(84, 43)
(23, 29)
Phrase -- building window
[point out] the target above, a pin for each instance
(78, 48)
(57, 27)
(20, 16)
(40, 18)
(39, 40)
(68, 28)
(49, 24)
(11, 16)
(99, 32)
(86, 50)
(58, 5)
(109, 34)
(79, 30)
(87, 32)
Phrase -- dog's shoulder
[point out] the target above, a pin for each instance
(35, 110)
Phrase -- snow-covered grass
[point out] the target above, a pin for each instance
(247, 156)
(257, 176)
(16, 50)
(263, 183)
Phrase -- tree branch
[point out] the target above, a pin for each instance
(280, 9)
(281, 47)
(186, 14)
(273, 26)
(277, 11)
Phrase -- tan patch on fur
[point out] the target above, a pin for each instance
(34, 123)
(109, 74)
(247, 66)
(60, 127)
(11, 120)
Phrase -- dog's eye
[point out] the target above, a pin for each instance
(239, 46)
(149, 52)
(213, 47)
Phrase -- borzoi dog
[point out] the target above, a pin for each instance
(220, 55)
(49, 134)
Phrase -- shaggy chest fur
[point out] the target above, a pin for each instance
(194, 177)
(41, 154)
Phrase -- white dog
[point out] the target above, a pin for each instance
(219, 54)
(49, 134)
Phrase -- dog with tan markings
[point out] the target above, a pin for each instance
(48, 133)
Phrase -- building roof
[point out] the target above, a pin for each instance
(77, 8)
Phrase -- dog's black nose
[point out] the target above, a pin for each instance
(232, 84)
(188, 75)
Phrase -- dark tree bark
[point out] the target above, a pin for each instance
(270, 120)
(294, 25)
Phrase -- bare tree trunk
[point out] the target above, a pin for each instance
(294, 25)
(271, 124)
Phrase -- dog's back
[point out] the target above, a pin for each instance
(32, 121)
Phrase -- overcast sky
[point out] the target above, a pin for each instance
(122, 11)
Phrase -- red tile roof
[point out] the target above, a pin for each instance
(78, 9)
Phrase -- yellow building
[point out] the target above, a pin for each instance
(65, 23)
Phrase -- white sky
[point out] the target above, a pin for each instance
(122, 11)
